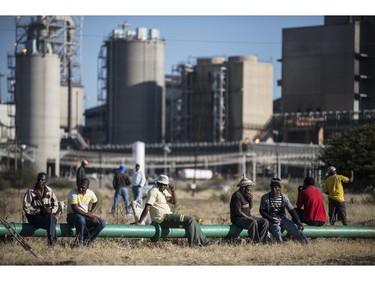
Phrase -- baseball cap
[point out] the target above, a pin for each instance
(122, 168)
(331, 169)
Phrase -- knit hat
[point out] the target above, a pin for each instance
(122, 168)
(163, 179)
(245, 182)
(275, 182)
(84, 162)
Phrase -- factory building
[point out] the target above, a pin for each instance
(232, 100)
(327, 78)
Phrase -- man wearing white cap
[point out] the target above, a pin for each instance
(334, 188)
(156, 203)
(241, 203)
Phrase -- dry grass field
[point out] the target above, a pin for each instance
(212, 206)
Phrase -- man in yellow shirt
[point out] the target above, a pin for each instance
(82, 203)
(333, 186)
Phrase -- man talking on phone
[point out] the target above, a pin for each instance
(158, 197)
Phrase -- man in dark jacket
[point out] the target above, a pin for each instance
(272, 207)
(121, 182)
(240, 212)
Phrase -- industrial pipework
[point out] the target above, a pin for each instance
(210, 230)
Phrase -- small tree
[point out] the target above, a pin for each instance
(353, 150)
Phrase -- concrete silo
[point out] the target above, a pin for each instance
(47, 93)
(38, 107)
(135, 86)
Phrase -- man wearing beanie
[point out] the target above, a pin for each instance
(241, 203)
(272, 207)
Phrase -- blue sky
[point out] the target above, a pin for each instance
(186, 37)
(191, 28)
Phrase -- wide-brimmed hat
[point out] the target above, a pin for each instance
(163, 179)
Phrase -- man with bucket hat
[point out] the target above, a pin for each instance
(241, 203)
(158, 197)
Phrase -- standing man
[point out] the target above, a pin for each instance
(139, 180)
(158, 197)
(272, 207)
(334, 188)
(312, 201)
(81, 171)
(121, 182)
(82, 204)
(39, 204)
(241, 203)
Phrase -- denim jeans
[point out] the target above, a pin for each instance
(86, 230)
(137, 194)
(289, 226)
(122, 192)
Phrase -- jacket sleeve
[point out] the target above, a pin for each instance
(27, 204)
(56, 203)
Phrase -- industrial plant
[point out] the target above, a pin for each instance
(216, 114)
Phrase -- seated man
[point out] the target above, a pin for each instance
(272, 207)
(241, 203)
(156, 204)
(312, 201)
(82, 203)
(39, 204)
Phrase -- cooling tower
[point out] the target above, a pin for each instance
(38, 108)
(135, 87)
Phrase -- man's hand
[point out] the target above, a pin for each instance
(172, 188)
(300, 226)
(94, 219)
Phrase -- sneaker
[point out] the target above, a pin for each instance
(129, 215)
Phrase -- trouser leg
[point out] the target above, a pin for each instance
(94, 230)
(275, 230)
(125, 196)
(193, 231)
(115, 200)
(292, 229)
(332, 210)
(341, 212)
(79, 222)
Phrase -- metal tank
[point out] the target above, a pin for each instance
(135, 86)
(38, 108)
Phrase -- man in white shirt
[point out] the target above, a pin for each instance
(139, 180)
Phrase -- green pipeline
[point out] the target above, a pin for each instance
(210, 230)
